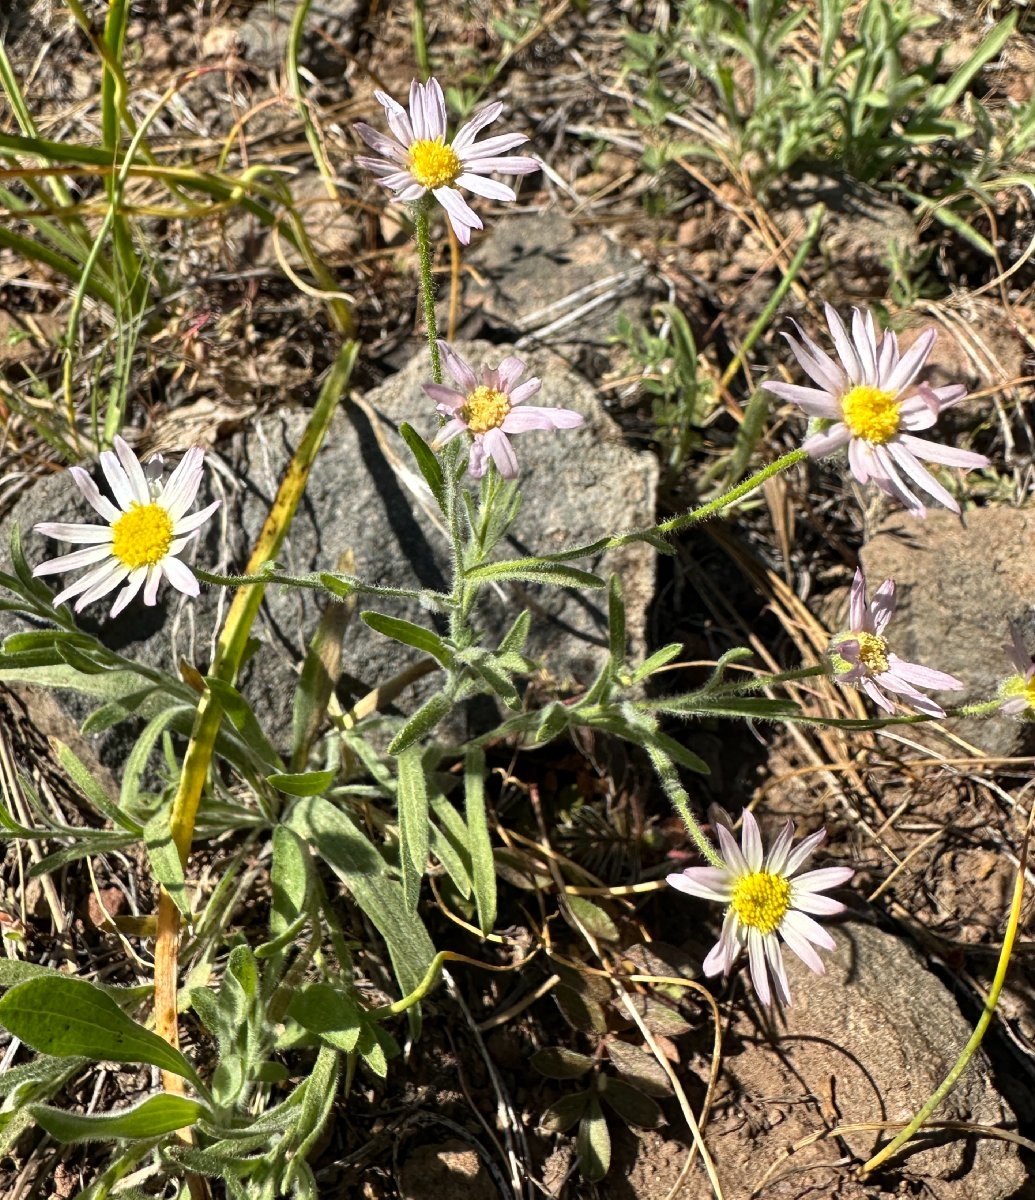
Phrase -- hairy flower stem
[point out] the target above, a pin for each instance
(233, 641)
(427, 283)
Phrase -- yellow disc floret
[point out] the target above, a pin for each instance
(871, 414)
(873, 653)
(142, 536)
(761, 900)
(486, 409)
(433, 164)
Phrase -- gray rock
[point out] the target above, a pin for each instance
(332, 26)
(556, 283)
(865, 1043)
(959, 585)
(363, 497)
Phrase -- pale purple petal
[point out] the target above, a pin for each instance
(461, 370)
(72, 562)
(100, 583)
(498, 144)
(882, 607)
(857, 614)
(757, 966)
(886, 477)
(805, 927)
(478, 460)
(525, 391)
(510, 165)
(801, 947)
(383, 145)
(947, 456)
(449, 431)
(911, 467)
(820, 906)
(816, 363)
(491, 189)
(134, 472)
(843, 343)
(522, 420)
(925, 677)
(774, 956)
(911, 362)
(804, 850)
(449, 398)
(180, 576)
(820, 880)
(865, 345)
(509, 372)
(876, 695)
(751, 841)
(92, 494)
(498, 445)
(180, 491)
(398, 121)
(133, 585)
(813, 401)
(776, 859)
(194, 521)
(731, 854)
(66, 532)
(819, 445)
(461, 216)
(467, 132)
(707, 883)
(118, 480)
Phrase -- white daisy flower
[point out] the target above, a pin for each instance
(143, 536)
(418, 159)
(766, 900)
(868, 402)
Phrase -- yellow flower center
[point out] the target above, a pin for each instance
(871, 414)
(873, 653)
(142, 536)
(434, 165)
(485, 409)
(1016, 685)
(761, 900)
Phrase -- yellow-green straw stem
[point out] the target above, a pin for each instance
(229, 653)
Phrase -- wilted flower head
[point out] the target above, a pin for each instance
(1017, 692)
(491, 409)
(868, 402)
(420, 160)
(144, 533)
(766, 900)
(862, 656)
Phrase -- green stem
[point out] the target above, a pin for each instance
(422, 223)
(675, 791)
(985, 1019)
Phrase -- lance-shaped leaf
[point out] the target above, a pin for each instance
(151, 1118)
(70, 1017)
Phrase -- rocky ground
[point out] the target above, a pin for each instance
(933, 819)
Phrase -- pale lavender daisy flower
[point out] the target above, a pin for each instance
(419, 160)
(766, 900)
(868, 402)
(861, 655)
(1017, 692)
(144, 534)
(492, 409)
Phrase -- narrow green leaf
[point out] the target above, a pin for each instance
(306, 783)
(317, 1102)
(164, 859)
(151, 1118)
(488, 668)
(593, 1144)
(660, 658)
(516, 636)
(139, 756)
(422, 722)
(239, 711)
(479, 841)
(355, 860)
(414, 822)
(291, 880)
(427, 462)
(616, 621)
(67, 1017)
(92, 789)
(533, 570)
(409, 634)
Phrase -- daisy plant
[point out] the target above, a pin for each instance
(418, 163)
(146, 529)
(490, 409)
(767, 902)
(863, 657)
(869, 401)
